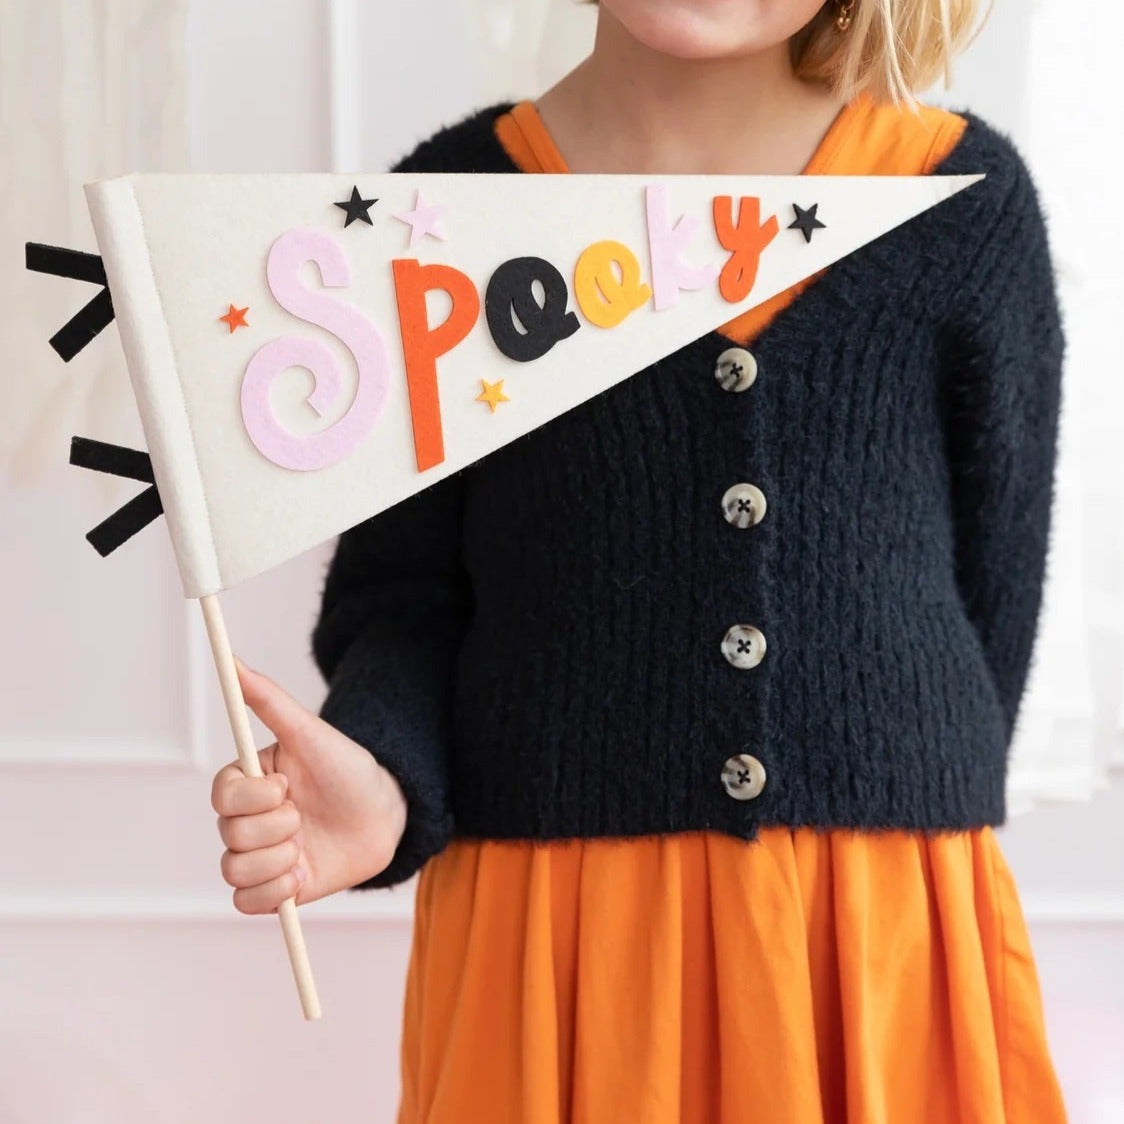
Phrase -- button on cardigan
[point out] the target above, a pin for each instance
(536, 645)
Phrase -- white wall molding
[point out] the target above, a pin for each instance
(84, 753)
(188, 756)
(344, 102)
(376, 906)
(1059, 908)
(396, 907)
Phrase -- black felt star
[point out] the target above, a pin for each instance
(357, 208)
(806, 221)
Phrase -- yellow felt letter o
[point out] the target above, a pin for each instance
(604, 298)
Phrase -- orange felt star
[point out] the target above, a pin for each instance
(236, 317)
(492, 394)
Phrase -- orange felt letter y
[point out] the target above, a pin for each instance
(746, 240)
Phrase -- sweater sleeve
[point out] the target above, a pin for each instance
(395, 604)
(1004, 391)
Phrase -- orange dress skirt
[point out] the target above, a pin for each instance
(802, 978)
(806, 977)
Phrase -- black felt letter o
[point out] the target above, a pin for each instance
(510, 289)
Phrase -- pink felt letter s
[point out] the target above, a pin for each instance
(329, 446)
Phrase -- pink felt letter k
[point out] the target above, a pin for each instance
(666, 243)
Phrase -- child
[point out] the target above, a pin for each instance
(692, 707)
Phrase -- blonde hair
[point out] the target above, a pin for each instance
(892, 50)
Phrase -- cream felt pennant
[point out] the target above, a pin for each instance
(308, 349)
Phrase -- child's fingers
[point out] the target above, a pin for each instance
(235, 794)
(245, 869)
(268, 896)
(252, 833)
(265, 828)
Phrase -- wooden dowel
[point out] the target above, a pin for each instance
(248, 758)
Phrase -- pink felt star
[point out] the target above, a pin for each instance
(423, 219)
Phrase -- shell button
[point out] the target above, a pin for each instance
(743, 776)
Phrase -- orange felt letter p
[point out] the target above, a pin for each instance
(746, 240)
(423, 345)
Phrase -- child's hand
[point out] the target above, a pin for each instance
(325, 816)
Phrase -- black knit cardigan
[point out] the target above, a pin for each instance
(534, 646)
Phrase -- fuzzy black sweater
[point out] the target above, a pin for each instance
(538, 647)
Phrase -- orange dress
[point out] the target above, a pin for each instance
(806, 977)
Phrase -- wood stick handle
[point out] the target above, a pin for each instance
(248, 758)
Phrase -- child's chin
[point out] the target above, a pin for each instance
(705, 29)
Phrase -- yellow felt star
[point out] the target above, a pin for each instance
(492, 394)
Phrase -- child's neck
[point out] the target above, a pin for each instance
(629, 109)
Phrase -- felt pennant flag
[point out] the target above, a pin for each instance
(309, 349)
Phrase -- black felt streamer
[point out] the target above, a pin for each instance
(141, 510)
(126, 521)
(77, 332)
(65, 263)
(96, 315)
(117, 460)
(510, 288)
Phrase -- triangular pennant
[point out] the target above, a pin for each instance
(437, 318)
